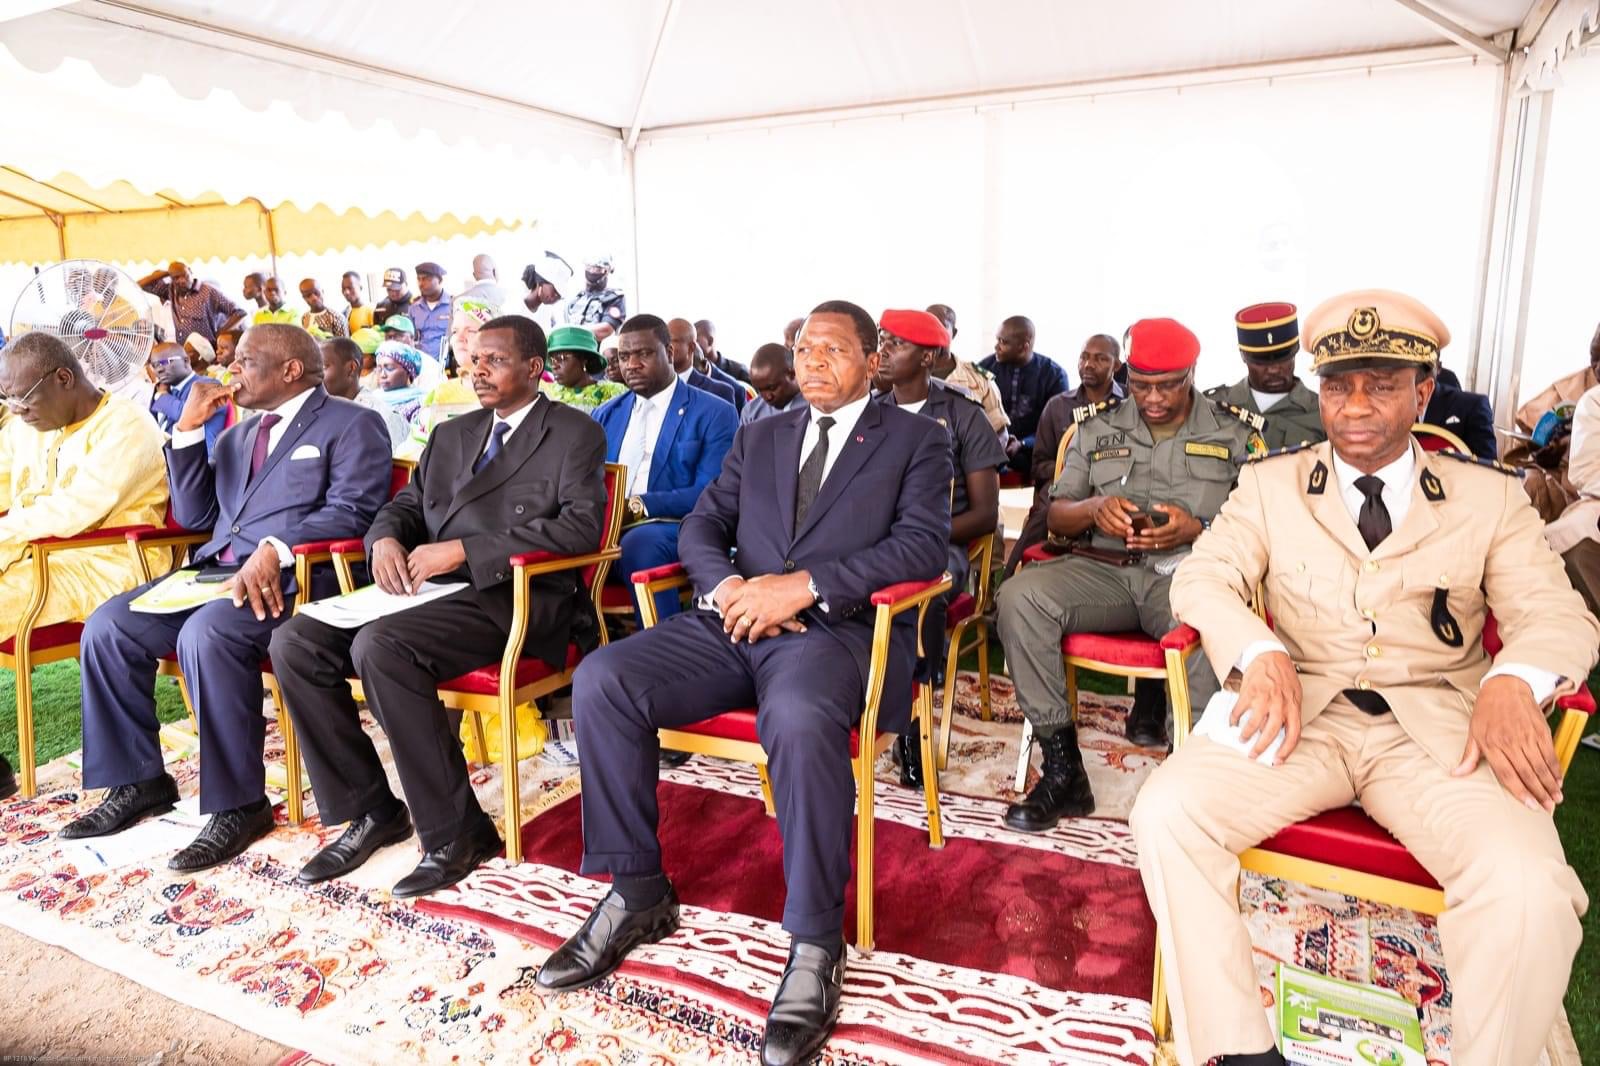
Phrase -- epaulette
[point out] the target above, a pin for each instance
(1083, 412)
(1274, 453)
(1249, 418)
(1492, 464)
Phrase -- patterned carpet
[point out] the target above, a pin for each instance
(350, 975)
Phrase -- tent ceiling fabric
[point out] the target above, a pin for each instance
(721, 59)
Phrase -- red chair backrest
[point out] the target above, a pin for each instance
(1431, 443)
(611, 530)
(399, 477)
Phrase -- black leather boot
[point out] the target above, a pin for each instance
(1147, 720)
(1063, 789)
(908, 757)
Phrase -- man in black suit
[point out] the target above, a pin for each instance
(819, 508)
(310, 467)
(1466, 414)
(682, 348)
(523, 474)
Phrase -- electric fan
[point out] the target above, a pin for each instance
(97, 311)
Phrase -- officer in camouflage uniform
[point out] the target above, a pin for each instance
(1285, 412)
(598, 307)
(1169, 455)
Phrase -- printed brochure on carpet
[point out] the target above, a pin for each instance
(1327, 1022)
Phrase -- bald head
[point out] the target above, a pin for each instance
(772, 375)
(705, 335)
(681, 343)
(791, 331)
(946, 314)
(43, 383)
(1013, 342)
(483, 268)
(275, 362)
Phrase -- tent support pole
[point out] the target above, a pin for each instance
(272, 232)
(629, 155)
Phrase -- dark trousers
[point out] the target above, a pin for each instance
(645, 547)
(400, 659)
(808, 692)
(220, 648)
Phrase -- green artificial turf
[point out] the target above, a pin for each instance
(57, 727)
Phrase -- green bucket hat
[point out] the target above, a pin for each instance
(578, 339)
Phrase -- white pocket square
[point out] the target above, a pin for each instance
(305, 451)
(1452, 419)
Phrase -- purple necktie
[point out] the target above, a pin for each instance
(258, 459)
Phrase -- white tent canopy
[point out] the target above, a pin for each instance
(1084, 163)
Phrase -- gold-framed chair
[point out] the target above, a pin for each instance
(1437, 439)
(515, 680)
(969, 613)
(732, 735)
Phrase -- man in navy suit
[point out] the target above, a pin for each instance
(310, 467)
(671, 437)
(814, 510)
(1466, 414)
(174, 378)
(681, 348)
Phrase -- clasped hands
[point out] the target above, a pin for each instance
(764, 606)
(1507, 728)
(1114, 518)
(401, 573)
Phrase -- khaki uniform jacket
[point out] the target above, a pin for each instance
(1406, 619)
(1294, 420)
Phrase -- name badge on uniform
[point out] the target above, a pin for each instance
(1215, 451)
(1110, 453)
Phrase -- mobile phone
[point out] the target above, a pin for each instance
(1141, 522)
(212, 575)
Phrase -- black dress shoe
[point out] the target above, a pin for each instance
(8, 780)
(595, 951)
(1147, 719)
(908, 756)
(806, 1006)
(445, 866)
(228, 834)
(1063, 789)
(123, 805)
(361, 838)
(1271, 1057)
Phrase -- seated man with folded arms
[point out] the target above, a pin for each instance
(1379, 563)
(907, 344)
(522, 474)
(1141, 484)
(671, 436)
(73, 459)
(310, 467)
(813, 512)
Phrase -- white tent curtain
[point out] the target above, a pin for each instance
(1086, 214)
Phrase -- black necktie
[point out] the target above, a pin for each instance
(805, 493)
(497, 440)
(1373, 521)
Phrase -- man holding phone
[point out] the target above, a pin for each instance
(309, 467)
(1142, 481)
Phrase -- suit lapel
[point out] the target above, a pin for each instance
(250, 435)
(786, 466)
(621, 415)
(520, 445)
(1422, 517)
(472, 441)
(855, 449)
(286, 443)
(1328, 508)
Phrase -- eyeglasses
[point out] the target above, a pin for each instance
(15, 402)
(169, 361)
(1166, 388)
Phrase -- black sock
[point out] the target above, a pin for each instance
(259, 805)
(1270, 1057)
(833, 943)
(641, 892)
(385, 810)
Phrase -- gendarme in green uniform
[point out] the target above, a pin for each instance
(1292, 421)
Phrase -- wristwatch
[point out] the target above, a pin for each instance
(811, 587)
(636, 509)
(1205, 524)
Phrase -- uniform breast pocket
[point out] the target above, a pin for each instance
(1445, 590)
(1211, 478)
(1109, 476)
(1309, 590)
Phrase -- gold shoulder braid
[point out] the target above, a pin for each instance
(1083, 412)
(1275, 452)
(1249, 418)
(1491, 464)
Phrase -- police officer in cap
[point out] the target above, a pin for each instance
(397, 297)
(1285, 411)
(598, 307)
(1142, 482)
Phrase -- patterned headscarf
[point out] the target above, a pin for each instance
(477, 310)
(403, 354)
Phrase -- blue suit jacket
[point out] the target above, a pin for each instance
(714, 387)
(721, 376)
(883, 516)
(325, 480)
(695, 436)
(169, 408)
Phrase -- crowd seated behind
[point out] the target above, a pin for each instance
(852, 456)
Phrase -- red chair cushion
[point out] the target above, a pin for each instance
(1347, 837)
(1012, 479)
(960, 609)
(485, 681)
(1115, 649)
(616, 596)
(740, 725)
(46, 637)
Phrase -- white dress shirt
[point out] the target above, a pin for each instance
(1265, 401)
(286, 412)
(639, 440)
(1398, 480)
(514, 419)
(844, 423)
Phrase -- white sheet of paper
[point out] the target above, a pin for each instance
(1214, 724)
(138, 843)
(371, 603)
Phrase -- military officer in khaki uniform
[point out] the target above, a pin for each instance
(1284, 410)
(1141, 482)
(1379, 562)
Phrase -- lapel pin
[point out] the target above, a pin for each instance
(681, 410)
(861, 440)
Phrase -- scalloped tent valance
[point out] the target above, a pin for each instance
(1572, 26)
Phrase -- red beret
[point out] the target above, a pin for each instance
(1161, 346)
(918, 327)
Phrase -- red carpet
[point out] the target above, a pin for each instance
(1052, 919)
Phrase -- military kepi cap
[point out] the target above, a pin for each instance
(918, 327)
(1161, 346)
(1268, 332)
(1373, 328)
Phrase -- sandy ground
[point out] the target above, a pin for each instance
(60, 1009)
